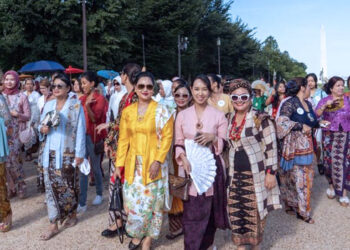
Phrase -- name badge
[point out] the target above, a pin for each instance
(300, 111)
(221, 103)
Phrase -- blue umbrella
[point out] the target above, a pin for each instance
(108, 74)
(42, 66)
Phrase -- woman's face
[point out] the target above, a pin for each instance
(144, 89)
(311, 82)
(200, 92)
(241, 100)
(44, 90)
(338, 89)
(76, 87)
(182, 98)
(10, 82)
(29, 86)
(161, 90)
(281, 89)
(60, 89)
(117, 86)
(87, 86)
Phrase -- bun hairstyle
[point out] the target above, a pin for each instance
(215, 78)
(293, 86)
(131, 70)
(145, 74)
(205, 80)
(330, 84)
(64, 78)
(90, 76)
(183, 85)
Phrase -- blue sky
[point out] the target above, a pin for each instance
(296, 26)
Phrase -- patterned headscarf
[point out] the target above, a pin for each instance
(240, 83)
(15, 89)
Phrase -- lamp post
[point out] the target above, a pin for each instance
(84, 36)
(143, 51)
(218, 43)
(182, 43)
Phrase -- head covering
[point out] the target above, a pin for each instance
(167, 89)
(118, 79)
(260, 87)
(240, 83)
(15, 89)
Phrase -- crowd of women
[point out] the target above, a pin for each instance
(265, 149)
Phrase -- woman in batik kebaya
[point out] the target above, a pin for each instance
(62, 146)
(145, 137)
(20, 112)
(295, 125)
(335, 108)
(5, 208)
(252, 189)
(207, 126)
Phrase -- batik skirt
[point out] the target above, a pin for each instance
(5, 208)
(246, 225)
(61, 188)
(296, 185)
(336, 159)
(143, 205)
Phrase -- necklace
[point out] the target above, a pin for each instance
(235, 132)
(141, 113)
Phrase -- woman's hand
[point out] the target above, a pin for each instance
(204, 138)
(186, 164)
(324, 124)
(117, 174)
(14, 113)
(101, 127)
(45, 129)
(89, 101)
(78, 161)
(270, 181)
(154, 169)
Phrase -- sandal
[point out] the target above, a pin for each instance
(330, 193)
(48, 235)
(344, 201)
(289, 210)
(305, 219)
(171, 236)
(6, 226)
(70, 222)
(320, 169)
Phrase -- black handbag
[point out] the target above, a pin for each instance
(116, 205)
(99, 147)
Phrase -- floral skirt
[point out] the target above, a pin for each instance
(296, 187)
(61, 188)
(5, 207)
(143, 205)
(336, 159)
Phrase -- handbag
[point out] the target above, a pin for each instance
(99, 147)
(179, 186)
(116, 205)
(26, 135)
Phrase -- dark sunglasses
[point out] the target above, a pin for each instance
(243, 98)
(142, 86)
(116, 83)
(59, 86)
(185, 96)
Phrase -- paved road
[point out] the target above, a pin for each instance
(331, 230)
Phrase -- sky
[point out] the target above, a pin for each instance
(296, 25)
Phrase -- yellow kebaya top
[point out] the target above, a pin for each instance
(137, 136)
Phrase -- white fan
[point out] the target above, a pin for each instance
(203, 167)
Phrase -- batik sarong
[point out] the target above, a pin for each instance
(5, 208)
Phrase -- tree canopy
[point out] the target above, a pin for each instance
(52, 30)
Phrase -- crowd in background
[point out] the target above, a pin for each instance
(265, 141)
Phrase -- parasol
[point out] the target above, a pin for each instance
(71, 70)
(108, 74)
(42, 66)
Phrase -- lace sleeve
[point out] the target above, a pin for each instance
(287, 110)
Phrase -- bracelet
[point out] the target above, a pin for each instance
(270, 171)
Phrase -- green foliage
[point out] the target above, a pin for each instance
(52, 29)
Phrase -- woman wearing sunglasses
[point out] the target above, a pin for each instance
(253, 164)
(61, 147)
(143, 145)
(182, 96)
(295, 123)
(207, 126)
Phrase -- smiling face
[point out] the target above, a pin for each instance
(87, 86)
(144, 89)
(182, 98)
(10, 82)
(200, 92)
(338, 89)
(241, 105)
(76, 86)
(281, 89)
(60, 89)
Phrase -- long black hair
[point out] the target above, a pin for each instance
(205, 80)
(276, 95)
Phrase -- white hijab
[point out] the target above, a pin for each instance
(115, 99)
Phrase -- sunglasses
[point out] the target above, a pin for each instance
(184, 96)
(116, 83)
(59, 86)
(242, 98)
(143, 86)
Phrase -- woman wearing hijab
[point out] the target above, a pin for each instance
(116, 97)
(165, 95)
(20, 111)
(5, 208)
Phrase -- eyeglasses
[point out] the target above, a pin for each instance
(184, 96)
(116, 83)
(242, 98)
(142, 86)
(59, 86)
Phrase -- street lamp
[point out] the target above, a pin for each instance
(218, 43)
(84, 36)
(182, 43)
(143, 51)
